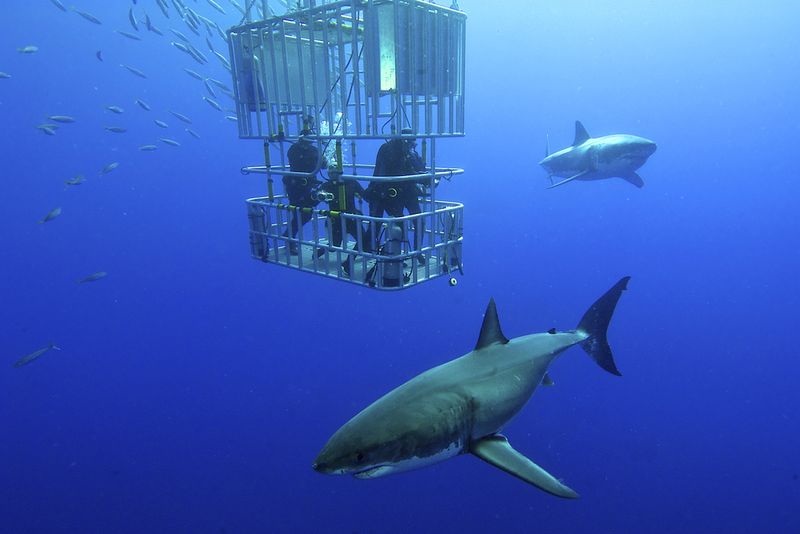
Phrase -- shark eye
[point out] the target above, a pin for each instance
(360, 457)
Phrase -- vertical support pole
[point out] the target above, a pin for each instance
(326, 47)
(398, 111)
(288, 86)
(301, 71)
(355, 12)
(267, 165)
(434, 217)
(339, 170)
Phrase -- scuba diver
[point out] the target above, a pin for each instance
(303, 157)
(329, 191)
(397, 157)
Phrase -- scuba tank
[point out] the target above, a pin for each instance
(259, 245)
(393, 269)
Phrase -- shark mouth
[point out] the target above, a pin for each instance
(373, 472)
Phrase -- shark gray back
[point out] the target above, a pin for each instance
(597, 158)
(460, 407)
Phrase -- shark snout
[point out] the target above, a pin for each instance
(646, 147)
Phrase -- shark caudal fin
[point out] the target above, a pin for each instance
(595, 324)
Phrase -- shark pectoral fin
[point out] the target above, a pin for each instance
(634, 178)
(547, 381)
(575, 177)
(497, 451)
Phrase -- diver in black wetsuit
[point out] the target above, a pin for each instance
(303, 157)
(351, 189)
(397, 157)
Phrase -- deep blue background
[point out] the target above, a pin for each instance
(196, 385)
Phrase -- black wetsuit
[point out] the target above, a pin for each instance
(303, 157)
(396, 158)
(351, 189)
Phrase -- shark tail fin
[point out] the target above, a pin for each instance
(595, 324)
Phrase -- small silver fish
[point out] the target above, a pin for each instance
(28, 358)
(210, 89)
(164, 8)
(61, 118)
(78, 180)
(110, 167)
(168, 141)
(48, 127)
(229, 94)
(47, 130)
(93, 277)
(197, 54)
(223, 59)
(239, 8)
(30, 49)
(129, 35)
(181, 117)
(179, 35)
(192, 15)
(99, 55)
(148, 148)
(4, 76)
(88, 16)
(142, 104)
(116, 129)
(212, 103)
(219, 84)
(232, 118)
(115, 109)
(59, 5)
(132, 19)
(192, 25)
(180, 46)
(134, 70)
(161, 124)
(193, 133)
(216, 6)
(155, 30)
(193, 74)
(52, 214)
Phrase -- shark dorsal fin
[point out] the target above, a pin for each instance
(490, 329)
(581, 135)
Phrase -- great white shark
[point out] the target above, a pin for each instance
(461, 406)
(596, 158)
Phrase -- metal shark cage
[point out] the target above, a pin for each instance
(353, 71)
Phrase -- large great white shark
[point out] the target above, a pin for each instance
(461, 406)
(596, 158)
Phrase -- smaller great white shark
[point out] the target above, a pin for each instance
(596, 158)
(461, 406)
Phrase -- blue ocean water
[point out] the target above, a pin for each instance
(196, 386)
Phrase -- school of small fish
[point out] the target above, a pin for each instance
(197, 31)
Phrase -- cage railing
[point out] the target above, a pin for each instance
(386, 253)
